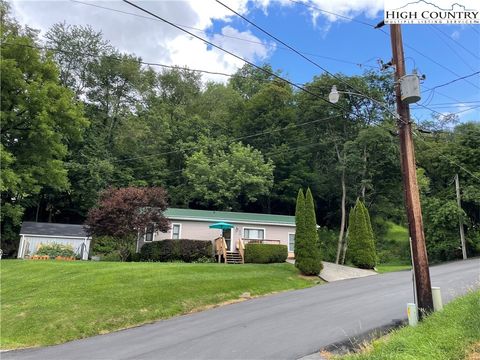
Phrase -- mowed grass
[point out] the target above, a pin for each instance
(445, 335)
(51, 302)
(397, 233)
(384, 268)
(398, 246)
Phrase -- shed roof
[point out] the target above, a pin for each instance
(214, 216)
(52, 229)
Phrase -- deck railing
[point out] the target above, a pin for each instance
(241, 249)
(261, 241)
(221, 248)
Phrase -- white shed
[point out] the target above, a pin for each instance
(33, 234)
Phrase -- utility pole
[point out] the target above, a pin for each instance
(460, 219)
(409, 178)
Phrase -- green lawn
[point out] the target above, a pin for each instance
(445, 335)
(384, 268)
(50, 302)
(394, 250)
(397, 233)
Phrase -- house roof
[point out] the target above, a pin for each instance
(51, 229)
(227, 216)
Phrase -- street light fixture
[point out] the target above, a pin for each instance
(334, 97)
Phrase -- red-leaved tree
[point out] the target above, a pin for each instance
(125, 213)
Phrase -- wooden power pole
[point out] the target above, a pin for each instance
(460, 220)
(410, 185)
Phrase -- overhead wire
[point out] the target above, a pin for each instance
(452, 81)
(226, 36)
(262, 69)
(289, 127)
(432, 60)
(446, 157)
(456, 42)
(268, 33)
(454, 51)
(149, 63)
(385, 33)
(332, 13)
(293, 1)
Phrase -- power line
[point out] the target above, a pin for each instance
(226, 36)
(175, 67)
(266, 154)
(433, 60)
(237, 56)
(293, 1)
(455, 103)
(446, 157)
(452, 81)
(332, 13)
(453, 50)
(289, 127)
(288, 46)
(456, 42)
(384, 32)
(454, 113)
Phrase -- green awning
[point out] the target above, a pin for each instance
(221, 225)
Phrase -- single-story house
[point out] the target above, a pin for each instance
(194, 225)
(35, 234)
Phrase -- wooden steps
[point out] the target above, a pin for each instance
(234, 258)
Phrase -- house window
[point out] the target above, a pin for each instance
(291, 242)
(254, 234)
(176, 231)
(149, 233)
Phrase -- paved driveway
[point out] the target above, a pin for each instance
(283, 326)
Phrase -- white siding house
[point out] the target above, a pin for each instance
(34, 234)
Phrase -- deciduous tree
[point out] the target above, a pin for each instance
(126, 213)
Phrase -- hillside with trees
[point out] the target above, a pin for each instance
(79, 116)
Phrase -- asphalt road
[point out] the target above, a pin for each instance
(283, 326)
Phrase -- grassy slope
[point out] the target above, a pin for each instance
(50, 302)
(384, 268)
(396, 232)
(398, 237)
(445, 335)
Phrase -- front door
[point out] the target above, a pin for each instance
(227, 234)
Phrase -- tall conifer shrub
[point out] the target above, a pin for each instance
(307, 248)
(361, 243)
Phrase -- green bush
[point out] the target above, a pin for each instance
(102, 245)
(265, 253)
(308, 256)
(361, 243)
(112, 256)
(133, 257)
(176, 250)
(54, 250)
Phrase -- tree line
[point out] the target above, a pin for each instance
(79, 116)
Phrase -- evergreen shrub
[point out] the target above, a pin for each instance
(176, 250)
(265, 253)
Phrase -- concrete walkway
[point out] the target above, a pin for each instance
(332, 272)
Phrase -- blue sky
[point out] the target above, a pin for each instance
(302, 27)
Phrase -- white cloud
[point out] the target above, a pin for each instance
(455, 35)
(152, 39)
(251, 47)
(465, 111)
(328, 9)
(156, 41)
